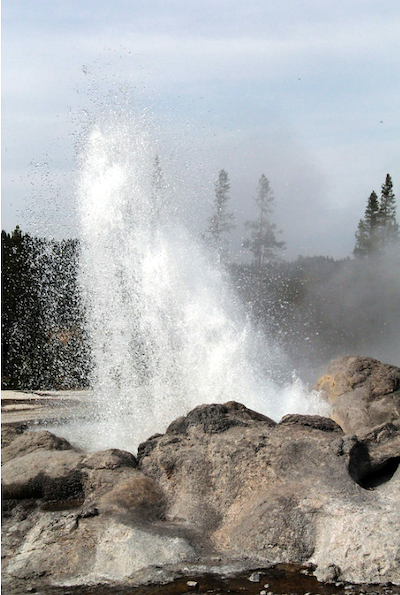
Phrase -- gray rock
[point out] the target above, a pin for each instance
(332, 573)
(255, 577)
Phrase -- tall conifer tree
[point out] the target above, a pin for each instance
(387, 213)
(368, 231)
(379, 229)
(222, 221)
(361, 248)
(263, 242)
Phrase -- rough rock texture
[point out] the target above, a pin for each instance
(223, 481)
(76, 518)
(17, 444)
(363, 393)
(276, 492)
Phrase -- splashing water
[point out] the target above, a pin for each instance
(167, 333)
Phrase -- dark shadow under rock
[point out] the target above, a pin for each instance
(54, 493)
(374, 458)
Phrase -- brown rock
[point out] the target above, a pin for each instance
(23, 444)
(9, 433)
(313, 421)
(44, 467)
(217, 418)
(46, 475)
(252, 488)
(112, 458)
(139, 497)
(277, 492)
(74, 518)
(363, 393)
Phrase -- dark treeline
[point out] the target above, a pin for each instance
(43, 339)
(315, 308)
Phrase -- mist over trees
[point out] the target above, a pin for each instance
(262, 232)
(378, 231)
(318, 308)
(262, 242)
(222, 220)
(315, 308)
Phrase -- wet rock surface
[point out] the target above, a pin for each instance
(223, 482)
(278, 580)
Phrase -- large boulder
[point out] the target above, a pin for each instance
(21, 443)
(223, 482)
(363, 393)
(279, 493)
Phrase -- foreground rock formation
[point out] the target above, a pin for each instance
(224, 487)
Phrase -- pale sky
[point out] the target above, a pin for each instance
(306, 93)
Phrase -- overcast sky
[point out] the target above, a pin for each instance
(306, 93)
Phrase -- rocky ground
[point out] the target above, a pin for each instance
(225, 490)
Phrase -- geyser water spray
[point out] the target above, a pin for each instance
(166, 331)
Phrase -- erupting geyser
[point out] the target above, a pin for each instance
(166, 331)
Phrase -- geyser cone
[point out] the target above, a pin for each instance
(167, 334)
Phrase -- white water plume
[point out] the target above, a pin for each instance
(166, 331)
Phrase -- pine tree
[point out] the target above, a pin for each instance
(368, 238)
(387, 214)
(379, 229)
(372, 210)
(263, 242)
(221, 221)
(361, 248)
